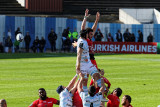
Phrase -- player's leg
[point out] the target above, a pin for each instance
(95, 74)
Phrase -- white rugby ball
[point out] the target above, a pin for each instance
(19, 37)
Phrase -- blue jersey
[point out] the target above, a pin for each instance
(66, 98)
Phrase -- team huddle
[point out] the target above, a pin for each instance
(76, 94)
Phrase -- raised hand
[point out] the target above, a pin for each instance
(97, 16)
(86, 13)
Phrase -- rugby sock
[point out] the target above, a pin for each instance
(76, 75)
(99, 82)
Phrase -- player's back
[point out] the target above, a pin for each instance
(65, 98)
(89, 101)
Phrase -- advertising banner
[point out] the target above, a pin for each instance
(126, 47)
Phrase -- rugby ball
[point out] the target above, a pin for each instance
(19, 37)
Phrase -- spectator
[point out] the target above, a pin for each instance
(140, 38)
(110, 38)
(119, 36)
(150, 38)
(42, 44)
(27, 40)
(65, 33)
(132, 38)
(3, 103)
(35, 44)
(98, 35)
(52, 37)
(9, 33)
(1, 48)
(70, 36)
(66, 42)
(16, 46)
(17, 31)
(126, 36)
(126, 100)
(75, 35)
(114, 100)
(66, 93)
(43, 100)
(8, 44)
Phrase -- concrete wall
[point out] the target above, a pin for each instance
(141, 15)
(22, 2)
(156, 18)
(127, 18)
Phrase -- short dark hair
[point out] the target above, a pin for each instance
(92, 91)
(42, 89)
(60, 89)
(89, 30)
(119, 91)
(83, 33)
(128, 98)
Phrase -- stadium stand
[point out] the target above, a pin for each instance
(106, 6)
(11, 7)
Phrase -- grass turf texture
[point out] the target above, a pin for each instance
(21, 75)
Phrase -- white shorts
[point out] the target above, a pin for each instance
(88, 68)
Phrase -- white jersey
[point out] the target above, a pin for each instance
(82, 43)
(86, 66)
(66, 98)
(89, 101)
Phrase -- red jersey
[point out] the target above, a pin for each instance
(90, 44)
(44, 103)
(91, 52)
(77, 102)
(114, 101)
(105, 81)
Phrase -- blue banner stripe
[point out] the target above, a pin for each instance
(30, 27)
(50, 24)
(10, 24)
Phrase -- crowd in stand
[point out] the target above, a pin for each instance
(68, 38)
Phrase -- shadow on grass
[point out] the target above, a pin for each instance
(33, 55)
(42, 55)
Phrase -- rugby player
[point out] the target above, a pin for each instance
(114, 100)
(3, 103)
(66, 93)
(126, 100)
(90, 98)
(43, 100)
(90, 32)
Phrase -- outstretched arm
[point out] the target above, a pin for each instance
(94, 27)
(103, 86)
(85, 19)
(75, 87)
(71, 83)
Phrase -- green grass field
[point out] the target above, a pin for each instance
(21, 75)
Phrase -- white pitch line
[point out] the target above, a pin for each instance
(132, 59)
